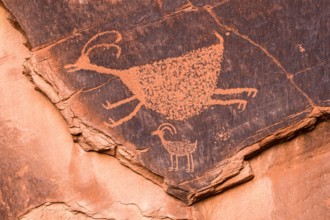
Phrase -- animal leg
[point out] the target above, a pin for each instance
(109, 105)
(192, 163)
(188, 163)
(176, 163)
(126, 118)
(171, 168)
(241, 103)
(249, 91)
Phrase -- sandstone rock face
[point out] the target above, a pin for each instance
(46, 176)
(181, 92)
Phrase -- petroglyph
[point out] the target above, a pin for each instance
(176, 148)
(177, 87)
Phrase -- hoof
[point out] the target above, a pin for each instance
(242, 105)
(112, 123)
(252, 92)
(107, 105)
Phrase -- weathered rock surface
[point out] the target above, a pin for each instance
(42, 167)
(288, 98)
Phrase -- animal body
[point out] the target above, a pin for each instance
(176, 148)
(177, 87)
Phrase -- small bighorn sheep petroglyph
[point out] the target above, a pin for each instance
(177, 87)
(176, 148)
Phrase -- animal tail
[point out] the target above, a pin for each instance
(219, 37)
(191, 147)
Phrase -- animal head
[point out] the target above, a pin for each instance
(83, 61)
(165, 126)
(78, 65)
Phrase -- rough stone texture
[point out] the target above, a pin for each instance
(40, 163)
(79, 15)
(176, 89)
(44, 175)
(290, 183)
(304, 54)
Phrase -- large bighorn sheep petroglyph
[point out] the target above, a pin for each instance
(177, 87)
(176, 148)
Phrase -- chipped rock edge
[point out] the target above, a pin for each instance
(229, 173)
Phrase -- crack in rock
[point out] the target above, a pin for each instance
(58, 210)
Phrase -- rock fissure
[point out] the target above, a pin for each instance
(61, 209)
(312, 67)
(75, 33)
(264, 50)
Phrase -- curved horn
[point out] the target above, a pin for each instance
(167, 126)
(84, 62)
(105, 46)
(118, 38)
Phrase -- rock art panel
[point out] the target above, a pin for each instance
(178, 87)
(181, 97)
